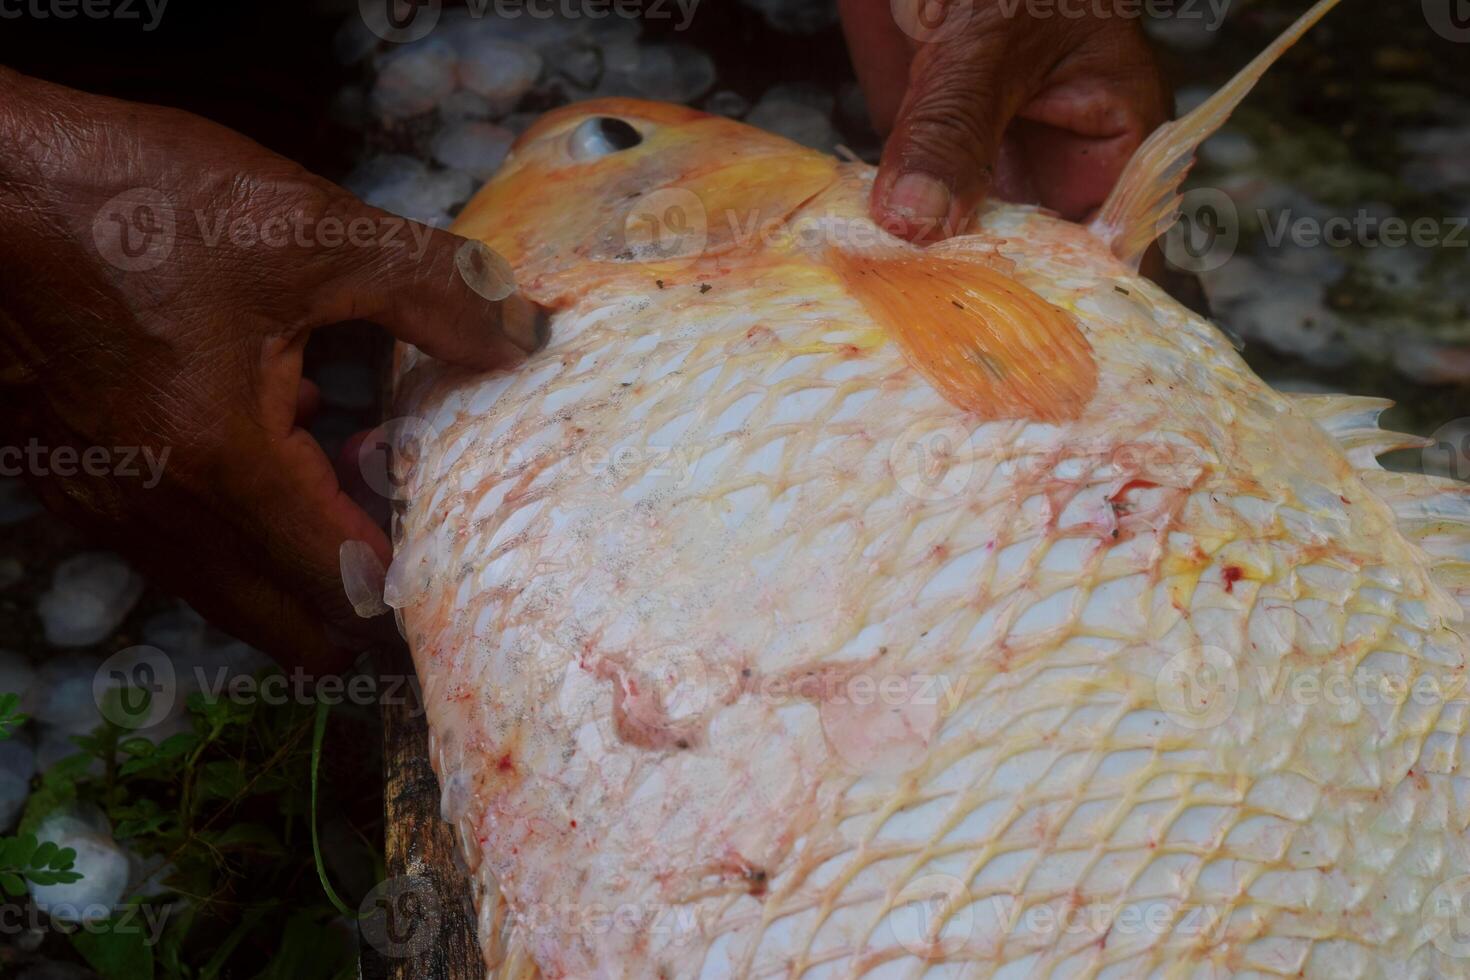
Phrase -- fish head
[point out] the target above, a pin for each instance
(615, 189)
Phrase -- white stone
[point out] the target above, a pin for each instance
(500, 72)
(727, 103)
(795, 121)
(17, 766)
(18, 677)
(414, 78)
(64, 693)
(477, 148)
(91, 594)
(102, 863)
(1229, 149)
(672, 72)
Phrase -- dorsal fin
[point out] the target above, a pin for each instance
(1145, 202)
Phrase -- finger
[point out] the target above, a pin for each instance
(286, 490)
(450, 297)
(1095, 109)
(939, 161)
(308, 402)
(880, 55)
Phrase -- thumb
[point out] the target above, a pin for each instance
(939, 160)
(452, 297)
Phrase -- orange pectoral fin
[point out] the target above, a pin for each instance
(987, 343)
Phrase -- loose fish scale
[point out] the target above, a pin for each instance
(1054, 781)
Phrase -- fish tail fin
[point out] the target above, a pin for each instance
(1145, 202)
(986, 343)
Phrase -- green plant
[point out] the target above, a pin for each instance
(223, 813)
(25, 859)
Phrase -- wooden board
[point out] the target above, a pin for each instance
(432, 936)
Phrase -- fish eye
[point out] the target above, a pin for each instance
(600, 136)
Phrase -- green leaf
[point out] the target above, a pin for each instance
(64, 858)
(21, 849)
(136, 745)
(10, 716)
(118, 951)
(221, 780)
(43, 854)
(12, 884)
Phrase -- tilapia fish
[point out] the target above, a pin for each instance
(815, 604)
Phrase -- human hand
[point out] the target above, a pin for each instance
(982, 97)
(162, 276)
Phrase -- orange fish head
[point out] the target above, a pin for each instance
(625, 188)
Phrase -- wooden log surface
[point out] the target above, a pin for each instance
(424, 926)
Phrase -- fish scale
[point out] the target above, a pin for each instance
(747, 651)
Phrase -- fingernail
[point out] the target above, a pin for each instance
(918, 195)
(485, 270)
(362, 578)
(524, 323)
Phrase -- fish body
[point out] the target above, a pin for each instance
(755, 643)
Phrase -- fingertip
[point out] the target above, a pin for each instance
(919, 206)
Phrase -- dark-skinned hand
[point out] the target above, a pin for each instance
(1029, 102)
(159, 278)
